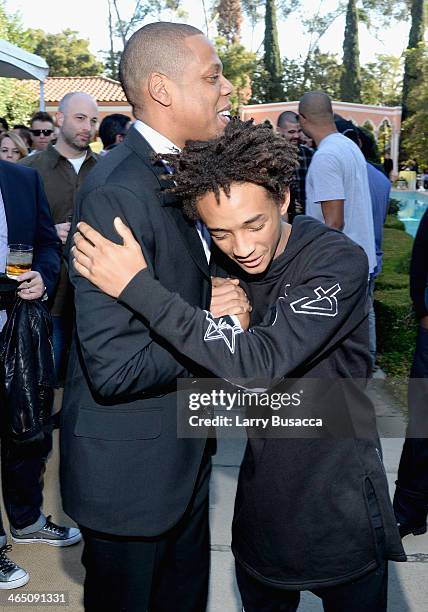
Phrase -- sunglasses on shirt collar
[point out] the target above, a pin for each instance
(40, 132)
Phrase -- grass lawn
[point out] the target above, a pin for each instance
(395, 322)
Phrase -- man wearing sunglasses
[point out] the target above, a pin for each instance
(42, 130)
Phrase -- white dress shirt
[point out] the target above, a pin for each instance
(161, 144)
(3, 250)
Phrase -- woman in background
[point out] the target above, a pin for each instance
(12, 147)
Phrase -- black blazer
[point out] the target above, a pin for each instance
(123, 470)
(29, 220)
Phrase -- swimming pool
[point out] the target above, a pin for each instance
(413, 204)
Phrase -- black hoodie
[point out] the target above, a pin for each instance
(302, 518)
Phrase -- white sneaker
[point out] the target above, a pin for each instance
(11, 575)
(52, 534)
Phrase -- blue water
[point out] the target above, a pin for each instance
(413, 204)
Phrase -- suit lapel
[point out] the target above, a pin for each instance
(14, 222)
(191, 237)
(187, 229)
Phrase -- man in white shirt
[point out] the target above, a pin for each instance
(139, 493)
(337, 188)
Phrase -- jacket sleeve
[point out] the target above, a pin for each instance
(47, 246)
(307, 317)
(121, 355)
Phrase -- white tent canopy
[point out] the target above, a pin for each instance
(19, 64)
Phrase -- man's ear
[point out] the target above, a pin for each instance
(59, 118)
(159, 88)
(283, 207)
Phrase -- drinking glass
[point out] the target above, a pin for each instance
(19, 259)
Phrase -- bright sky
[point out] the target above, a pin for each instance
(90, 19)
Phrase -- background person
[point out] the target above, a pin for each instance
(380, 189)
(411, 494)
(288, 125)
(63, 166)
(113, 129)
(388, 164)
(42, 130)
(12, 147)
(25, 219)
(337, 188)
(138, 492)
(4, 126)
(24, 132)
(237, 184)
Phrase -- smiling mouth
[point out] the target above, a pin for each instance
(225, 115)
(252, 263)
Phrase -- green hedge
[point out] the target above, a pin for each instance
(395, 321)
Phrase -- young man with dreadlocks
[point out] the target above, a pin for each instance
(310, 514)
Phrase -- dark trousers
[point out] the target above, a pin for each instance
(411, 496)
(163, 574)
(22, 468)
(368, 593)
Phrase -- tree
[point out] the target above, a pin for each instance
(415, 133)
(17, 100)
(65, 53)
(251, 8)
(239, 66)
(272, 58)
(319, 71)
(259, 83)
(412, 64)
(229, 18)
(122, 28)
(381, 81)
(350, 82)
(293, 79)
(325, 73)
(11, 28)
(317, 25)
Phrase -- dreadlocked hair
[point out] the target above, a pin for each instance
(245, 153)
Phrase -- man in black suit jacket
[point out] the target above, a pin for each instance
(25, 219)
(139, 494)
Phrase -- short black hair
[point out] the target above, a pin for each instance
(156, 47)
(245, 153)
(111, 126)
(41, 116)
(348, 129)
(287, 116)
(4, 123)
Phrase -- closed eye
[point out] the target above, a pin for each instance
(256, 229)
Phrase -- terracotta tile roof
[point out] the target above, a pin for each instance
(101, 88)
